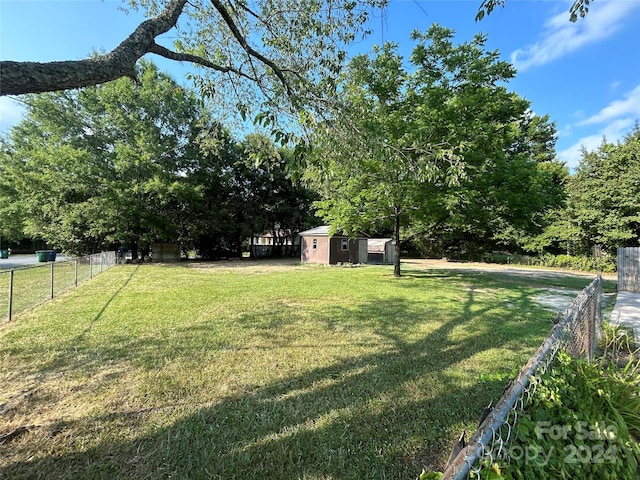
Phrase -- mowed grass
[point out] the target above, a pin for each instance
(257, 371)
(32, 285)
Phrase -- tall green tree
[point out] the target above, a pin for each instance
(437, 147)
(243, 188)
(276, 202)
(142, 163)
(604, 196)
(508, 152)
(366, 163)
(105, 164)
(513, 183)
(213, 218)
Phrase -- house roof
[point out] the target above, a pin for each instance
(280, 233)
(322, 231)
(377, 245)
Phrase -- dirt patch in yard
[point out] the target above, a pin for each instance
(506, 269)
(556, 299)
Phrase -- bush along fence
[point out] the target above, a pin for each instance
(23, 288)
(575, 332)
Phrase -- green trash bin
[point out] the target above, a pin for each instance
(4, 253)
(42, 255)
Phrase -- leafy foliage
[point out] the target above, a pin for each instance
(581, 421)
(579, 8)
(586, 418)
(137, 164)
(104, 164)
(604, 196)
(441, 148)
(245, 189)
(274, 59)
(583, 263)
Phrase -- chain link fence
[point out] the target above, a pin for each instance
(23, 288)
(576, 331)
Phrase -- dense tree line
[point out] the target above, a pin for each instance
(136, 163)
(602, 211)
(435, 151)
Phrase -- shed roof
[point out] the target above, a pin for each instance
(323, 231)
(377, 245)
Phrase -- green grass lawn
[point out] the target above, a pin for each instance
(32, 284)
(260, 371)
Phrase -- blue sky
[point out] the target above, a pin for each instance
(585, 75)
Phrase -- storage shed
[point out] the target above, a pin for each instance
(381, 250)
(318, 247)
(165, 252)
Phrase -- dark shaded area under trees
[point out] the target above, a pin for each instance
(134, 164)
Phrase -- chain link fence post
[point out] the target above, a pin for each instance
(51, 281)
(10, 294)
(576, 331)
(40, 283)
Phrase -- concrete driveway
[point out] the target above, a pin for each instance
(20, 261)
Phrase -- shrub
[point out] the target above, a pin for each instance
(582, 422)
(581, 262)
(569, 262)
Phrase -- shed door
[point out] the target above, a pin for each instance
(362, 250)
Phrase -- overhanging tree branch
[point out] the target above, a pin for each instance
(246, 47)
(187, 57)
(37, 77)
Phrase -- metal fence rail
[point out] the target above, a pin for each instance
(23, 288)
(576, 332)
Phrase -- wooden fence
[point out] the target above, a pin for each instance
(629, 269)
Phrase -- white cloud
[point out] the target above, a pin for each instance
(562, 37)
(10, 113)
(629, 106)
(612, 123)
(614, 86)
(612, 132)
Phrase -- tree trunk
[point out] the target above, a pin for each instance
(396, 238)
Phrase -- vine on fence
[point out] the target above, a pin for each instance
(575, 332)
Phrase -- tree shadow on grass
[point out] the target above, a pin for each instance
(532, 278)
(384, 413)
